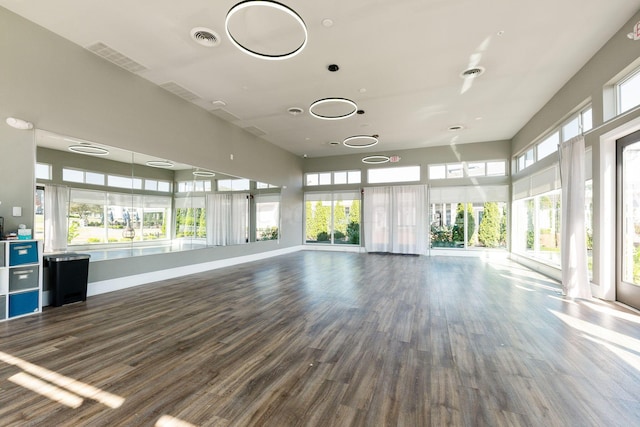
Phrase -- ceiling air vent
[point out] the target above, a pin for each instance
(472, 72)
(116, 57)
(205, 37)
(178, 90)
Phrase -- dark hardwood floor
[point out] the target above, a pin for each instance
(327, 339)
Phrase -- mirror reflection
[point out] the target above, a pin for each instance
(114, 203)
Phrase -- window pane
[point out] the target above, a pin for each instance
(571, 129)
(476, 169)
(318, 219)
(150, 185)
(454, 170)
(86, 217)
(325, 178)
(346, 220)
(94, 178)
(521, 162)
(588, 221)
(398, 174)
(443, 219)
(43, 171)
(491, 218)
(496, 168)
(548, 146)
(437, 172)
(164, 186)
(353, 177)
(587, 120)
(339, 177)
(267, 218)
(629, 93)
(312, 179)
(528, 158)
(119, 181)
(72, 175)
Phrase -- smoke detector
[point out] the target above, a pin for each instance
(205, 37)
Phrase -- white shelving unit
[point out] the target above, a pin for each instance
(20, 278)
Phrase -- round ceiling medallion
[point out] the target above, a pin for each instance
(375, 160)
(360, 141)
(266, 29)
(333, 108)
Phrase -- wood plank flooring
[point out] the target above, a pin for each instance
(328, 339)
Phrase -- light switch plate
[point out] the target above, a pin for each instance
(17, 211)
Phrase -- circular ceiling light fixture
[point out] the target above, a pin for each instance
(254, 23)
(88, 149)
(333, 108)
(471, 73)
(201, 173)
(375, 160)
(205, 37)
(360, 141)
(159, 163)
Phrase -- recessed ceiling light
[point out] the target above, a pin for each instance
(295, 111)
(203, 173)
(334, 143)
(274, 6)
(375, 160)
(205, 37)
(362, 90)
(160, 164)
(333, 108)
(500, 33)
(88, 149)
(455, 128)
(360, 141)
(219, 103)
(472, 72)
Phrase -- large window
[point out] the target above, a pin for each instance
(468, 217)
(332, 218)
(468, 169)
(332, 178)
(575, 125)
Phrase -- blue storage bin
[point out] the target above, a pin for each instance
(23, 303)
(23, 253)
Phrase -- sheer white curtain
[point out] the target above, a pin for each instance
(395, 219)
(573, 246)
(56, 210)
(226, 218)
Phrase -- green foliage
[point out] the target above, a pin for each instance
(636, 266)
(323, 236)
(94, 240)
(339, 219)
(353, 232)
(458, 228)
(489, 229)
(73, 231)
(202, 223)
(270, 233)
(338, 235)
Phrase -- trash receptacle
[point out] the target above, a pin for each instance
(67, 276)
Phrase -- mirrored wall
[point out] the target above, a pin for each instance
(114, 203)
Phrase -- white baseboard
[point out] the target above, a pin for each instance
(104, 286)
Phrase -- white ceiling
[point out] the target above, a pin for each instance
(400, 61)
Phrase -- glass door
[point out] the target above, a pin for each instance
(628, 282)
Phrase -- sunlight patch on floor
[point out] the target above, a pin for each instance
(169, 421)
(74, 386)
(47, 390)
